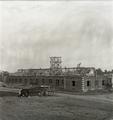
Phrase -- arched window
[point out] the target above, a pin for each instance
(50, 80)
(103, 82)
(73, 83)
(43, 81)
(57, 82)
(88, 83)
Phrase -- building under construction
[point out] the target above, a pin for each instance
(71, 79)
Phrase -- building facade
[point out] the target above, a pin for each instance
(69, 82)
(71, 79)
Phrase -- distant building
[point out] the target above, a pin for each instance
(71, 79)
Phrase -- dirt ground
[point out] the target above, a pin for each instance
(58, 107)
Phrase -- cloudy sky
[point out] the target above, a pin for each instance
(31, 32)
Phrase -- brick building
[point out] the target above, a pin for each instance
(70, 83)
(71, 79)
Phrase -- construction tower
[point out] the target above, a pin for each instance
(55, 66)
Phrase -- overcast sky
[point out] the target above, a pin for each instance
(31, 32)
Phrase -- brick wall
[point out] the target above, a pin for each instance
(73, 83)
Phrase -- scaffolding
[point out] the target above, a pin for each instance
(55, 65)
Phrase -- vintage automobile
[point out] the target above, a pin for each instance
(39, 90)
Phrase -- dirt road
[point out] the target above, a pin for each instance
(58, 107)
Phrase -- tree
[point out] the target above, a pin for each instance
(99, 71)
(105, 71)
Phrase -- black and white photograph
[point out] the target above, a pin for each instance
(56, 60)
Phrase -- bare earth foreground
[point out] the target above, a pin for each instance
(58, 107)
